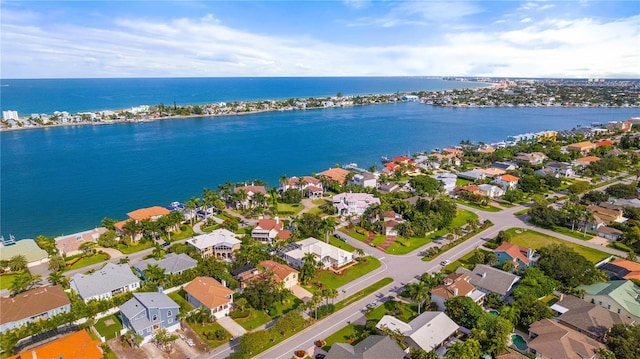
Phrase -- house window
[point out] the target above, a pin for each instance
(600, 302)
(169, 313)
(155, 317)
(170, 320)
(609, 306)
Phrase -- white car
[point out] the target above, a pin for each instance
(445, 262)
(372, 305)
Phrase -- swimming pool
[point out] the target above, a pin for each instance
(493, 312)
(519, 342)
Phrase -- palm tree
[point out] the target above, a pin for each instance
(209, 199)
(56, 263)
(328, 226)
(273, 193)
(510, 313)
(588, 217)
(259, 199)
(192, 205)
(18, 263)
(457, 232)
(359, 252)
(283, 181)
(155, 274)
(57, 278)
(309, 268)
(131, 229)
(301, 183)
(314, 301)
(88, 247)
(420, 294)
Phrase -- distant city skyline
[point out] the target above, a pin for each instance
(87, 39)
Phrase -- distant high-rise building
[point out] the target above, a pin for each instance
(10, 115)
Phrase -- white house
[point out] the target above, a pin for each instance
(111, 280)
(490, 191)
(221, 243)
(354, 203)
(365, 179)
(428, 331)
(448, 180)
(507, 182)
(330, 256)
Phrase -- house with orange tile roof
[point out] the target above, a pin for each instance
(251, 191)
(209, 293)
(281, 273)
(267, 230)
(151, 213)
(453, 151)
(78, 345)
(585, 161)
(521, 257)
(33, 305)
(491, 172)
(622, 269)
(70, 245)
(507, 182)
(533, 158)
(455, 285)
(604, 143)
(582, 147)
(335, 174)
(310, 186)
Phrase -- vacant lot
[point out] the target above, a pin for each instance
(535, 240)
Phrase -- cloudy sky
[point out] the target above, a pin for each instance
(75, 39)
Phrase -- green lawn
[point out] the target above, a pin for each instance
(109, 331)
(347, 334)
(320, 202)
(185, 232)
(356, 235)
(291, 303)
(461, 218)
(180, 298)
(574, 234)
(487, 208)
(87, 261)
(140, 246)
(332, 280)
(6, 280)
(462, 182)
(290, 208)
(210, 327)
(363, 293)
(316, 210)
(537, 240)
(255, 319)
(524, 211)
(340, 244)
(467, 261)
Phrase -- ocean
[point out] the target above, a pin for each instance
(62, 180)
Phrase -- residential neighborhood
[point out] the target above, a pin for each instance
(519, 249)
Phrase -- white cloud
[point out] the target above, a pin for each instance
(526, 19)
(191, 47)
(420, 13)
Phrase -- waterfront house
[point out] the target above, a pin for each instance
(487, 149)
(336, 174)
(221, 243)
(268, 230)
(582, 147)
(150, 213)
(585, 317)
(310, 186)
(520, 257)
(171, 263)
(354, 203)
(548, 339)
(624, 126)
(104, 283)
(147, 313)
(618, 296)
(329, 256)
(428, 331)
(28, 248)
(250, 191)
(491, 280)
(490, 191)
(373, 346)
(507, 182)
(364, 179)
(70, 245)
(75, 345)
(212, 295)
(455, 285)
(36, 304)
(622, 269)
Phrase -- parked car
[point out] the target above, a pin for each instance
(445, 262)
(372, 305)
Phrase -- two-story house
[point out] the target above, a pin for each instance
(151, 213)
(455, 285)
(267, 230)
(147, 313)
(104, 283)
(354, 203)
(521, 257)
(221, 243)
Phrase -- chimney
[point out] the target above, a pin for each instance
(160, 290)
(224, 283)
(277, 220)
(484, 274)
(455, 291)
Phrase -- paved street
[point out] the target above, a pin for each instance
(403, 269)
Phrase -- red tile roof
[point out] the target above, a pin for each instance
(509, 178)
(514, 251)
(335, 174)
(78, 345)
(604, 143)
(208, 291)
(146, 213)
(280, 271)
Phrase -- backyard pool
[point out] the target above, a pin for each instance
(493, 312)
(519, 342)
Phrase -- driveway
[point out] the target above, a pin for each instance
(114, 253)
(231, 326)
(301, 293)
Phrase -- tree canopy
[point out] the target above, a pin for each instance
(568, 267)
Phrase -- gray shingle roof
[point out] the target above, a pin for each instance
(491, 279)
(372, 347)
(140, 303)
(109, 278)
(172, 263)
(588, 317)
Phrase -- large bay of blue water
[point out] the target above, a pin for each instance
(61, 180)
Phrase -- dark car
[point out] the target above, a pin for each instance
(320, 356)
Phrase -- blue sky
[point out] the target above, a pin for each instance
(76, 39)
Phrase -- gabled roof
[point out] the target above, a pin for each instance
(145, 213)
(588, 159)
(76, 345)
(509, 178)
(514, 251)
(208, 291)
(72, 242)
(252, 189)
(453, 282)
(142, 303)
(587, 317)
(581, 145)
(217, 237)
(25, 247)
(110, 277)
(491, 279)
(372, 347)
(172, 263)
(429, 329)
(280, 271)
(623, 292)
(32, 303)
(626, 268)
(554, 340)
